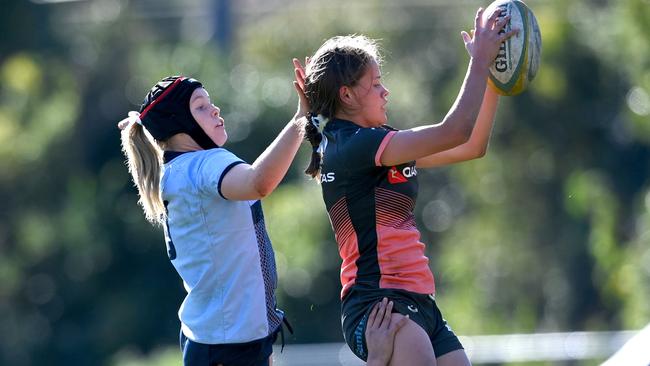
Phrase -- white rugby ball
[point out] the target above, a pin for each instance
(518, 59)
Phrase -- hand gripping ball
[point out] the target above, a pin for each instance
(518, 59)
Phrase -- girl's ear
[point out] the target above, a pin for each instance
(346, 95)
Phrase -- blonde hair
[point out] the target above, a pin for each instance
(144, 158)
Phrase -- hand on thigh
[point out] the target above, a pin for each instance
(412, 346)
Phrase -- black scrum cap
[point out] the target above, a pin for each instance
(165, 111)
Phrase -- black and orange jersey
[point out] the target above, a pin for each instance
(370, 207)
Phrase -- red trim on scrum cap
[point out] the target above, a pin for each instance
(167, 91)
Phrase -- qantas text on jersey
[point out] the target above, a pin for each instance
(327, 177)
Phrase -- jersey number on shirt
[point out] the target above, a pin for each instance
(171, 250)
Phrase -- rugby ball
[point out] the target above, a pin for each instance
(518, 59)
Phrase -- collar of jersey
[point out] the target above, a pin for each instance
(171, 155)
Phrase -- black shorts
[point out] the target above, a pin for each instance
(255, 353)
(422, 309)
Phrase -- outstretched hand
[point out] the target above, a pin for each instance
(485, 39)
(299, 84)
(380, 332)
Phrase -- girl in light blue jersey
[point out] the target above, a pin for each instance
(208, 202)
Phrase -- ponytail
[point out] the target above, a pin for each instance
(144, 160)
(314, 136)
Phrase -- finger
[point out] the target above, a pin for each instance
(299, 68)
(372, 316)
(477, 19)
(382, 312)
(501, 23)
(399, 324)
(301, 93)
(296, 63)
(466, 38)
(388, 315)
(299, 78)
(507, 35)
(303, 101)
(494, 15)
(298, 74)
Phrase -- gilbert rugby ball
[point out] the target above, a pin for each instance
(518, 59)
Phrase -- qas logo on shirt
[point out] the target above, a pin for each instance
(327, 177)
(395, 176)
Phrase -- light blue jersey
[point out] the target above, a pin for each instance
(221, 250)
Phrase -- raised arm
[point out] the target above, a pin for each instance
(477, 144)
(458, 125)
(255, 181)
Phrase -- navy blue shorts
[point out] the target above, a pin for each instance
(422, 309)
(255, 353)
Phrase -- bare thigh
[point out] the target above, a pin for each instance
(412, 346)
(454, 358)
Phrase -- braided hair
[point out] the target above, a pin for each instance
(340, 61)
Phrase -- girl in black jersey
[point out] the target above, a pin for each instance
(368, 174)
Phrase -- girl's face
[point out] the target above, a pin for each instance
(371, 97)
(207, 115)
